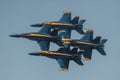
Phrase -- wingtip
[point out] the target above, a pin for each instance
(81, 65)
(104, 54)
(67, 12)
(87, 59)
(63, 69)
(89, 30)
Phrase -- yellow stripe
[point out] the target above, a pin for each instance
(87, 59)
(54, 53)
(67, 12)
(63, 69)
(89, 30)
(38, 35)
(58, 24)
(67, 42)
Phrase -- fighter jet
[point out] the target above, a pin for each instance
(86, 44)
(65, 25)
(62, 56)
(43, 37)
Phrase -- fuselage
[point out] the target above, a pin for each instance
(35, 36)
(55, 54)
(78, 43)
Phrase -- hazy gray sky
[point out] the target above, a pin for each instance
(103, 16)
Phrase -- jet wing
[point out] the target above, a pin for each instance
(88, 36)
(46, 29)
(66, 17)
(101, 51)
(44, 45)
(86, 51)
(63, 63)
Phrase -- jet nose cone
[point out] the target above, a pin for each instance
(15, 35)
(37, 25)
(34, 54)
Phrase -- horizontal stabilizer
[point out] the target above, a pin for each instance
(78, 61)
(82, 21)
(101, 51)
(103, 41)
(79, 29)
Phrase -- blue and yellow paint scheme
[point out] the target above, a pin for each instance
(43, 37)
(86, 44)
(62, 56)
(65, 25)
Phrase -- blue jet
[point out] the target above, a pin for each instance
(65, 25)
(62, 56)
(86, 44)
(43, 37)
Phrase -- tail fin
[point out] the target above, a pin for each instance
(75, 20)
(45, 29)
(97, 39)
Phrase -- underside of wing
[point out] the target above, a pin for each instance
(88, 36)
(87, 52)
(63, 63)
(44, 45)
(66, 17)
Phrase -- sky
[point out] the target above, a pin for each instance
(16, 16)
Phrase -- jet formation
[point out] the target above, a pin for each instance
(59, 32)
